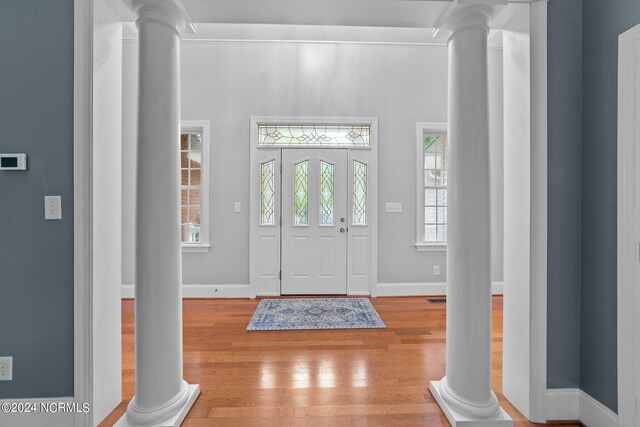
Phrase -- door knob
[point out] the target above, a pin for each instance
(342, 229)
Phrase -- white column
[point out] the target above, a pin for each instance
(162, 397)
(465, 393)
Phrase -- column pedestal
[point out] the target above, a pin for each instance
(179, 410)
(456, 419)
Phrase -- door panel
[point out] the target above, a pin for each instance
(268, 253)
(314, 201)
(360, 255)
(300, 256)
(326, 261)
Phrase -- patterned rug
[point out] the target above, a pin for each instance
(314, 313)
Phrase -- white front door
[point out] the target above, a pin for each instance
(314, 221)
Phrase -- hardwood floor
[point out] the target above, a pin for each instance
(313, 378)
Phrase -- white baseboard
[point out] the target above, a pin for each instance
(575, 404)
(497, 288)
(242, 291)
(202, 291)
(268, 294)
(423, 289)
(39, 417)
(595, 414)
(563, 404)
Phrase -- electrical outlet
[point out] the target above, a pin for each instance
(237, 207)
(436, 270)
(6, 368)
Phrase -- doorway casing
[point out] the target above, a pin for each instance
(628, 226)
(269, 284)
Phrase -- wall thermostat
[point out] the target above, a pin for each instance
(13, 162)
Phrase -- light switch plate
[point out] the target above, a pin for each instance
(394, 207)
(6, 368)
(237, 207)
(52, 207)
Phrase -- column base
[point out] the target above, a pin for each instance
(501, 419)
(192, 393)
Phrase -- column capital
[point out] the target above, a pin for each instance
(170, 13)
(463, 14)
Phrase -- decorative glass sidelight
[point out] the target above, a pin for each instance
(359, 193)
(300, 193)
(267, 193)
(326, 193)
(190, 186)
(314, 135)
(435, 188)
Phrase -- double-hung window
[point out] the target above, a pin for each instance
(194, 180)
(432, 187)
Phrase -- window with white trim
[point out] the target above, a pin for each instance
(194, 178)
(432, 187)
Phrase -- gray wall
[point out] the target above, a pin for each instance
(582, 193)
(564, 148)
(603, 21)
(36, 257)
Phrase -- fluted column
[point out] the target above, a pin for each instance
(162, 397)
(465, 393)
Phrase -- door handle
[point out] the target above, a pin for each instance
(343, 230)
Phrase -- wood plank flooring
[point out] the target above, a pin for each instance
(375, 377)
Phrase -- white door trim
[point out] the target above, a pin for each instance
(82, 205)
(254, 152)
(525, 278)
(539, 212)
(628, 274)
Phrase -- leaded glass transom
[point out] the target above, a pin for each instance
(300, 193)
(314, 135)
(267, 193)
(326, 193)
(435, 188)
(359, 193)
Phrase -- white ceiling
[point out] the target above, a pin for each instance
(366, 13)
(409, 20)
(358, 13)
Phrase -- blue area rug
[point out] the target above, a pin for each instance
(314, 313)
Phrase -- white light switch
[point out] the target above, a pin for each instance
(6, 368)
(394, 207)
(237, 207)
(52, 207)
